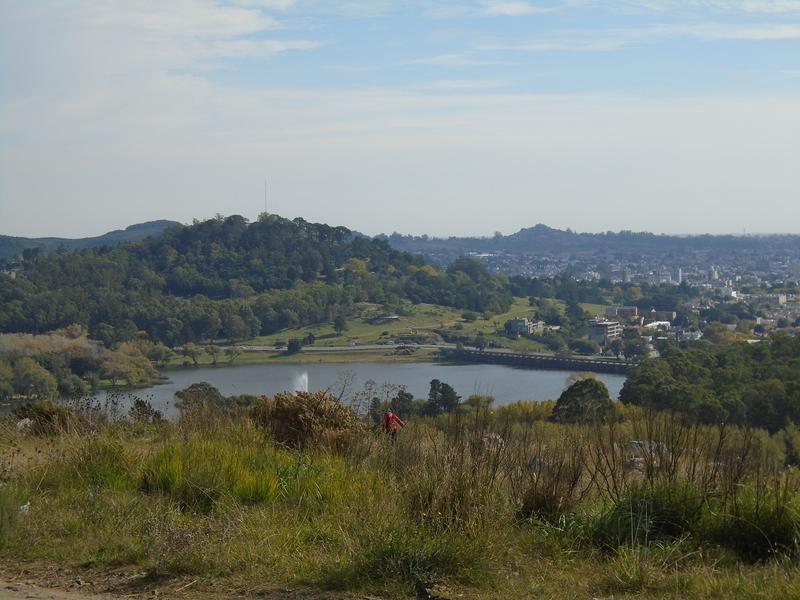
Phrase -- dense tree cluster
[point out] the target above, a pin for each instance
(227, 278)
(57, 365)
(743, 384)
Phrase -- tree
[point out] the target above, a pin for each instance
(128, 363)
(33, 380)
(232, 352)
(339, 323)
(159, 354)
(579, 376)
(213, 351)
(449, 399)
(193, 351)
(635, 349)
(480, 341)
(235, 328)
(441, 398)
(585, 401)
(582, 346)
(105, 333)
(433, 406)
(294, 346)
(616, 346)
(375, 411)
(402, 403)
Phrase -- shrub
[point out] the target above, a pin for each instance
(650, 513)
(202, 393)
(304, 418)
(554, 489)
(525, 411)
(758, 528)
(141, 411)
(399, 553)
(89, 462)
(48, 418)
(545, 503)
(102, 462)
(202, 473)
(198, 474)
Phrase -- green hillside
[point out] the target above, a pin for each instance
(227, 278)
(11, 246)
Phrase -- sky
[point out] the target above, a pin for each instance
(460, 117)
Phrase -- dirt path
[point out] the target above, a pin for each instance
(23, 591)
(18, 591)
(47, 581)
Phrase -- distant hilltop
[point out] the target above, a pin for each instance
(539, 239)
(11, 246)
(544, 239)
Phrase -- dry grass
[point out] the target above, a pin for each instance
(478, 504)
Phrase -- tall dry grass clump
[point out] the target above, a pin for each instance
(450, 472)
(548, 470)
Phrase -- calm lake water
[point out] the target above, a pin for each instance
(506, 384)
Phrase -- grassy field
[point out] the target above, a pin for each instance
(596, 310)
(486, 505)
(421, 320)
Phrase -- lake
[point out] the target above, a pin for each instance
(506, 384)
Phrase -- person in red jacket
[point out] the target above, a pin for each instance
(391, 423)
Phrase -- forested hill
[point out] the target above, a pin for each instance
(11, 246)
(227, 278)
(541, 238)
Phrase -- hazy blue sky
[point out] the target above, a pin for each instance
(459, 117)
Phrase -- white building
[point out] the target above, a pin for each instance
(604, 331)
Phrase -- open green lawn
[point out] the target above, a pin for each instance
(418, 320)
(422, 319)
(596, 310)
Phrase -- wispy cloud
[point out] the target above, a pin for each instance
(493, 8)
(451, 60)
(466, 84)
(616, 39)
(753, 6)
(281, 5)
(260, 48)
(577, 43)
(691, 6)
(513, 9)
(181, 20)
